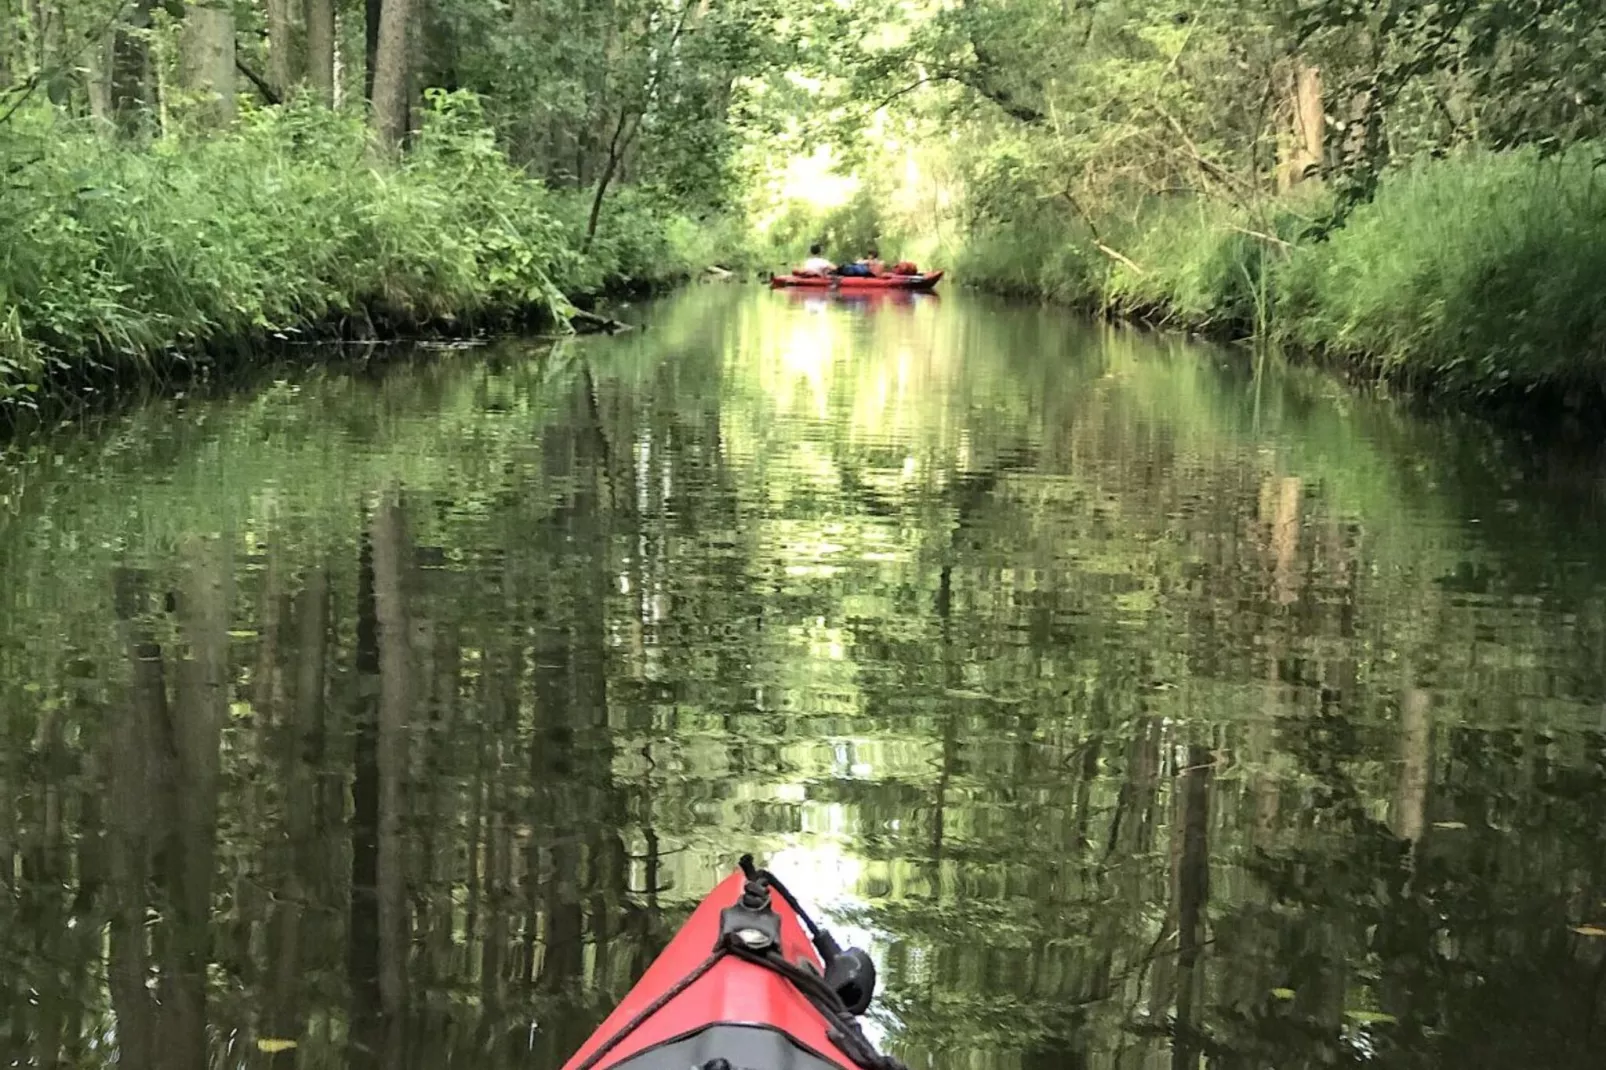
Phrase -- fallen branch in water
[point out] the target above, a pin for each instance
(585, 322)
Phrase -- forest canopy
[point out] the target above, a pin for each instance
(1173, 161)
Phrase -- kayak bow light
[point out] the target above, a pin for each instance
(767, 993)
(850, 973)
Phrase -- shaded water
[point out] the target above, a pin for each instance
(1136, 713)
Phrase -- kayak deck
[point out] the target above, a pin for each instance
(742, 985)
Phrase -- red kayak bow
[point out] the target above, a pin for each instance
(926, 282)
(743, 985)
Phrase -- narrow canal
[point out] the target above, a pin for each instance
(1137, 711)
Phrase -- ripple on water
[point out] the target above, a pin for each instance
(1134, 712)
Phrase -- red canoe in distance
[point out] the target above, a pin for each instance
(923, 283)
(742, 986)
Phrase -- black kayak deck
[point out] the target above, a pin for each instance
(729, 1046)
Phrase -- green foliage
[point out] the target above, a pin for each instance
(1477, 273)
(1201, 262)
(845, 231)
(658, 87)
(644, 240)
(1158, 162)
(126, 257)
(1045, 257)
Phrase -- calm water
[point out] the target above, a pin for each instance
(1137, 714)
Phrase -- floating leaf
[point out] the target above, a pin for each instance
(1283, 993)
(1449, 824)
(1370, 1017)
(1589, 930)
(274, 1045)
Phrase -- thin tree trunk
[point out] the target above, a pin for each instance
(32, 54)
(1311, 122)
(280, 67)
(1308, 125)
(617, 147)
(130, 72)
(391, 73)
(7, 62)
(99, 78)
(206, 61)
(320, 16)
(372, 10)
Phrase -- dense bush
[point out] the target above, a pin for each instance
(1039, 256)
(1478, 273)
(116, 260)
(1201, 263)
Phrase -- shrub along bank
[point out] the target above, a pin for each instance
(1478, 275)
(119, 263)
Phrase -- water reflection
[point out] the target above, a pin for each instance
(1137, 716)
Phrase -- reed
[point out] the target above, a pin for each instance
(123, 263)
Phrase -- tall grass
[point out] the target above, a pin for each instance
(115, 261)
(1037, 255)
(1482, 273)
(1183, 261)
(1478, 274)
(1200, 263)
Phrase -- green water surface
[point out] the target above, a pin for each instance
(1135, 711)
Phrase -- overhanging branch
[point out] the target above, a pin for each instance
(264, 87)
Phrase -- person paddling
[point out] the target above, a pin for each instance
(816, 264)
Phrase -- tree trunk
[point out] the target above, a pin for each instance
(279, 58)
(615, 149)
(373, 10)
(320, 15)
(7, 64)
(390, 73)
(130, 72)
(1308, 126)
(206, 62)
(28, 35)
(99, 78)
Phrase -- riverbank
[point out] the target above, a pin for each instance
(1475, 277)
(126, 265)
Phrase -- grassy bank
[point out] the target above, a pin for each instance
(1478, 275)
(117, 263)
